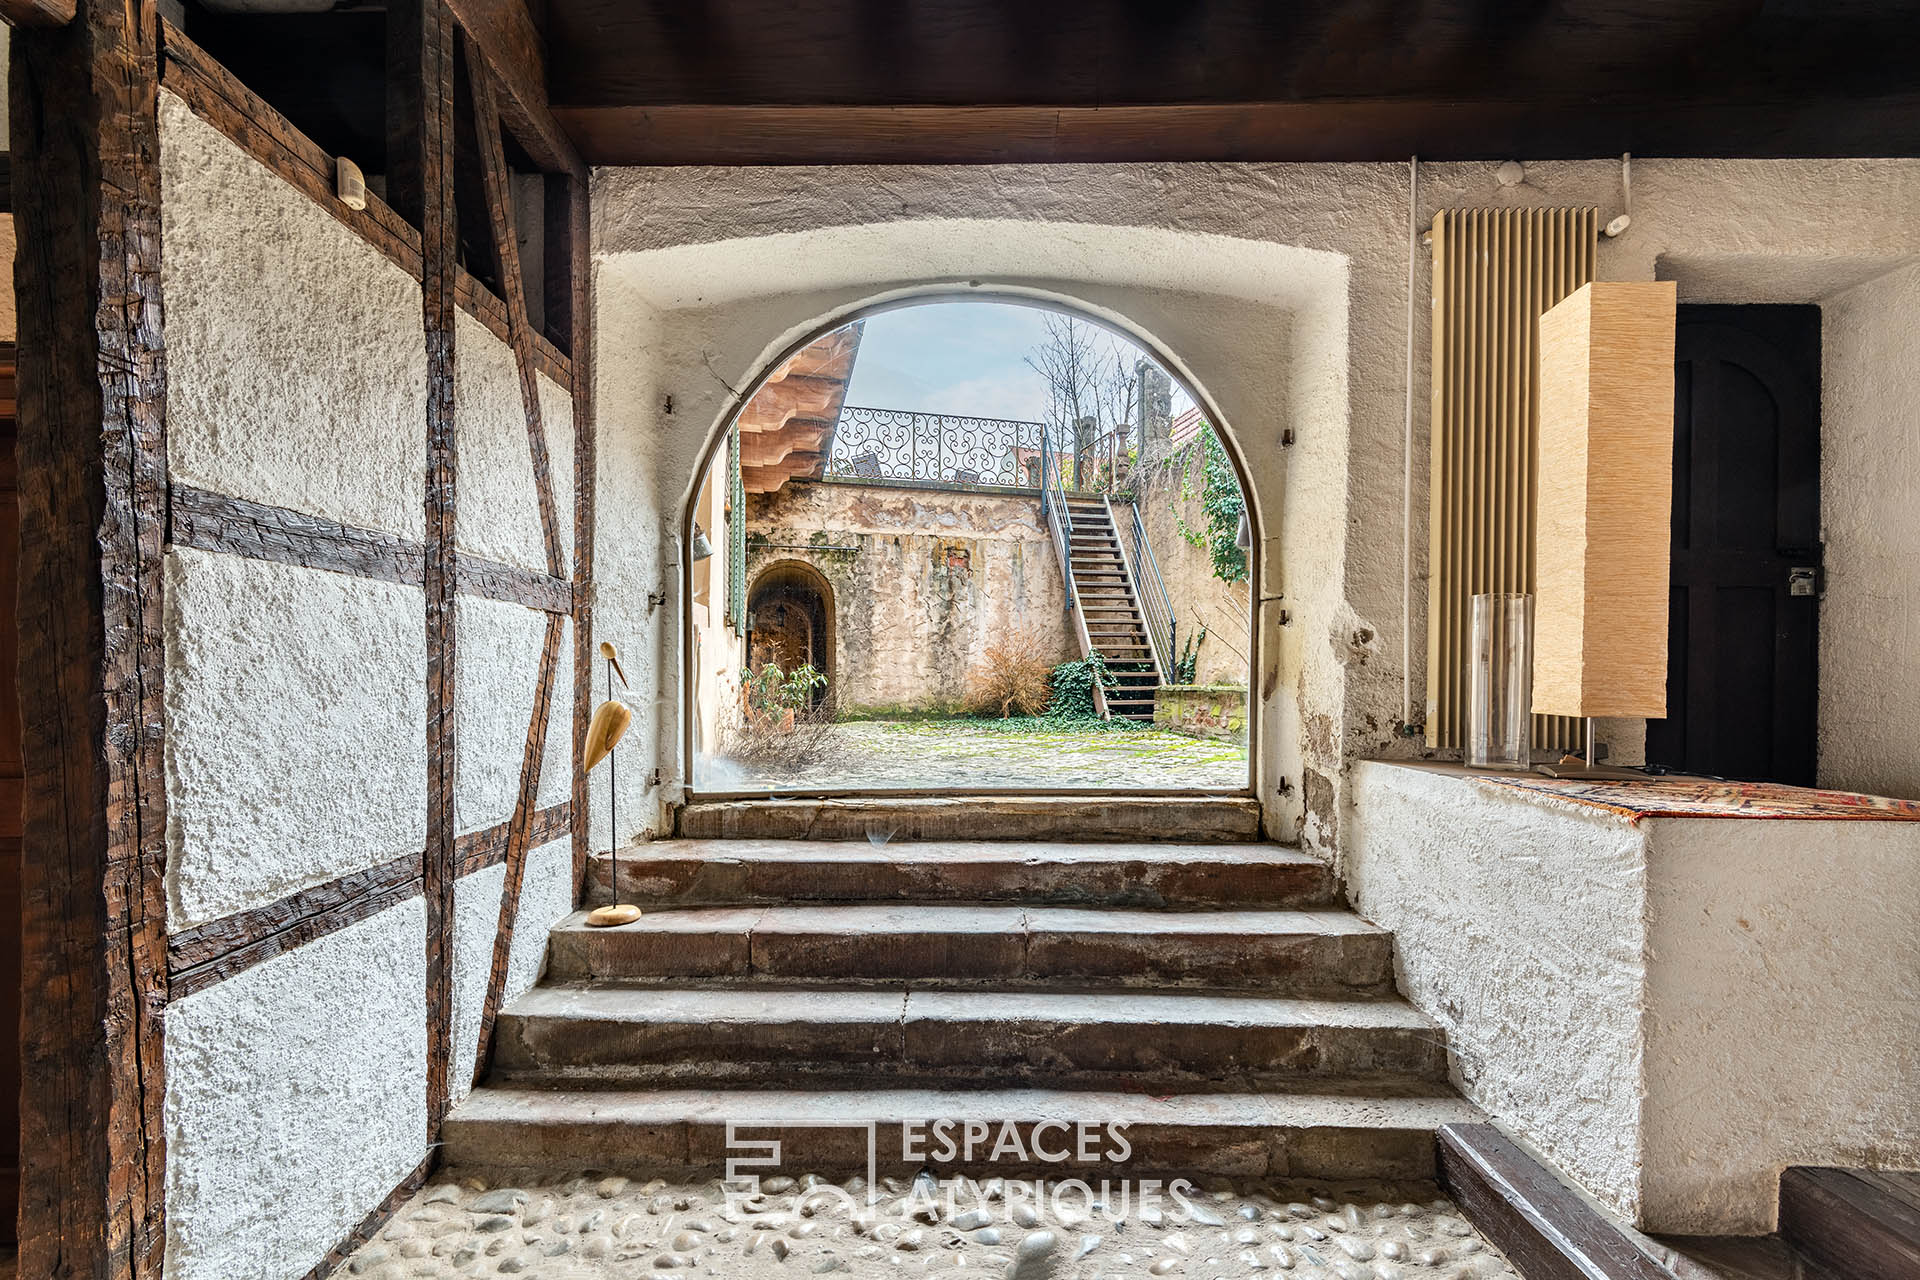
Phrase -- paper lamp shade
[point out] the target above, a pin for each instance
(1602, 548)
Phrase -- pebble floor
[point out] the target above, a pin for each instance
(956, 754)
(591, 1227)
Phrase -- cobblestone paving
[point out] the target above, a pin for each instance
(961, 755)
(591, 1227)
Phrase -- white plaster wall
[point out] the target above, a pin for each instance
(637, 550)
(296, 1099)
(1783, 1024)
(498, 513)
(706, 275)
(496, 671)
(546, 897)
(1671, 1011)
(1518, 927)
(296, 707)
(1870, 522)
(296, 365)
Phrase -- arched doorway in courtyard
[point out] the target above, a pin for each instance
(790, 623)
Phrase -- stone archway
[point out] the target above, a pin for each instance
(1257, 329)
(790, 621)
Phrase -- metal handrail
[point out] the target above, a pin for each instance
(1156, 608)
(1053, 507)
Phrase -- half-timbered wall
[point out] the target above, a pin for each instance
(298, 704)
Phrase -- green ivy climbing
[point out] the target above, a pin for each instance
(1222, 503)
(1073, 683)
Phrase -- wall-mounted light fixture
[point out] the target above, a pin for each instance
(349, 183)
(702, 548)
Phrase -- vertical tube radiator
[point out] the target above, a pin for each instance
(1495, 271)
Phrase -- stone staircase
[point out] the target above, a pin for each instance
(1109, 601)
(1214, 997)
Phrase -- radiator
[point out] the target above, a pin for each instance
(1494, 272)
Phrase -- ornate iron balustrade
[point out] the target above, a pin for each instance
(901, 446)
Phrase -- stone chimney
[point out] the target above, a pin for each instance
(1153, 411)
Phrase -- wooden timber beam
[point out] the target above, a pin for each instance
(1548, 1230)
(503, 34)
(420, 183)
(579, 279)
(36, 13)
(499, 200)
(93, 476)
(236, 526)
(199, 957)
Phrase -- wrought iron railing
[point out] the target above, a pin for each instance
(902, 446)
(1156, 608)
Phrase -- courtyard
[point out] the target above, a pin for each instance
(1027, 754)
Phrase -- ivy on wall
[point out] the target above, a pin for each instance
(1220, 501)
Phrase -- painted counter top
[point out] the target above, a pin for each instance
(1689, 797)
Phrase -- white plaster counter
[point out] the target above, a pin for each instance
(1670, 1005)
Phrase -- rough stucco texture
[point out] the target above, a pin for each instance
(1670, 1011)
(497, 664)
(1517, 927)
(1782, 1025)
(546, 897)
(498, 515)
(1870, 616)
(296, 369)
(296, 1099)
(296, 700)
(937, 578)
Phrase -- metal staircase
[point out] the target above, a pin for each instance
(1105, 592)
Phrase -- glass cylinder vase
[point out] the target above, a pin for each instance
(1500, 682)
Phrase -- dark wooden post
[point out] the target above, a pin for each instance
(420, 115)
(85, 148)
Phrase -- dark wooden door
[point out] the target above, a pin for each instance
(1744, 617)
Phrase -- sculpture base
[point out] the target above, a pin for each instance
(607, 917)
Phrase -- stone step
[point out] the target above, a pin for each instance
(688, 873)
(608, 1034)
(1298, 953)
(686, 1131)
(1187, 819)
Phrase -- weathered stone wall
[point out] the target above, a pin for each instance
(1202, 710)
(928, 580)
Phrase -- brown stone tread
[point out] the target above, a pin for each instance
(567, 1033)
(1301, 953)
(1188, 876)
(1225, 818)
(1242, 1134)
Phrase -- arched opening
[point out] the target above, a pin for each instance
(1085, 566)
(790, 622)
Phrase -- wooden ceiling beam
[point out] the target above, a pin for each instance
(1251, 132)
(509, 42)
(37, 13)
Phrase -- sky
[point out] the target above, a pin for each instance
(962, 358)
